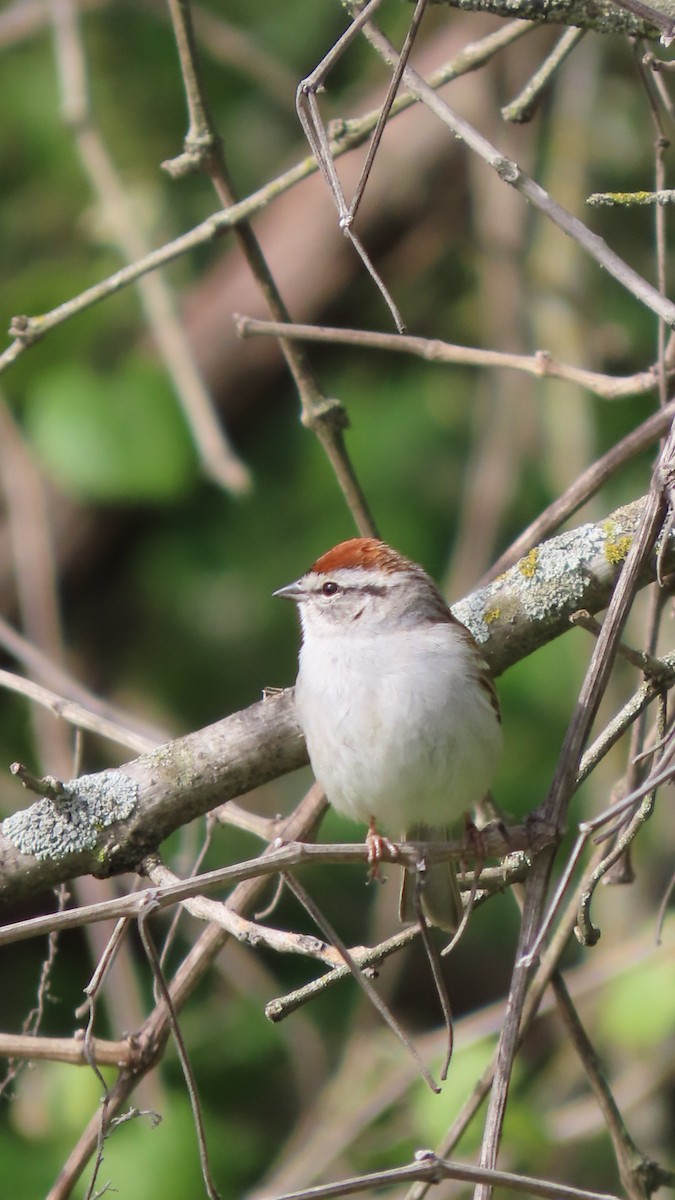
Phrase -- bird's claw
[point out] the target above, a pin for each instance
(378, 847)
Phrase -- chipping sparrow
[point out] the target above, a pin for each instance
(398, 708)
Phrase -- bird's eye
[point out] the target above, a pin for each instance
(330, 587)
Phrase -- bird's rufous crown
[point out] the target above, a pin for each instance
(360, 552)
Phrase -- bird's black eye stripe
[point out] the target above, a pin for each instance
(330, 587)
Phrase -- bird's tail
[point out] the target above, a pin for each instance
(440, 895)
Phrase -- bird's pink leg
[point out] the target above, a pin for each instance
(377, 846)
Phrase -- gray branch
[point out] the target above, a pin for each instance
(601, 16)
(106, 823)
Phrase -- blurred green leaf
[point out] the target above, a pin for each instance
(110, 438)
(623, 1007)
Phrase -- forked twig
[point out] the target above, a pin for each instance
(219, 460)
(430, 1169)
(362, 979)
(394, 83)
(540, 364)
(310, 118)
(498, 879)
(203, 148)
(511, 174)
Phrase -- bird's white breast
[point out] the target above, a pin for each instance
(396, 724)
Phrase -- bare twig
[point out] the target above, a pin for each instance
(525, 105)
(281, 940)
(511, 173)
(215, 450)
(430, 1169)
(55, 676)
(541, 365)
(203, 149)
(75, 714)
(514, 870)
(609, 736)
(152, 1037)
(360, 977)
(586, 486)
(67, 1050)
(640, 1175)
(559, 795)
(312, 124)
(27, 331)
(280, 858)
(652, 668)
(164, 995)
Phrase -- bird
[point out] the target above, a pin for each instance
(397, 706)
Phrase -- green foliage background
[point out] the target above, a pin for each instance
(169, 610)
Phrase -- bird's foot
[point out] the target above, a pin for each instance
(378, 845)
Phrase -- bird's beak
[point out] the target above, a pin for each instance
(292, 591)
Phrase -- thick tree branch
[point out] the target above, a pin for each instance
(601, 16)
(106, 823)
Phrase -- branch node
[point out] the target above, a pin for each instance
(189, 162)
(507, 169)
(27, 330)
(542, 362)
(327, 412)
(197, 149)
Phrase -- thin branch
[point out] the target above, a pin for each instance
(55, 676)
(586, 932)
(540, 981)
(527, 102)
(514, 870)
(638, 703)
(281, 858)
(68, 1050)
(360, 978)
(282, 1006)
(541, 364)
(631, 712)
(510, 173)
(430, 1169)
(214, 448)
(252, 932)
(586, 486)
(75, 714)
(559, 794)
(653, 668)
(640, 1175)
(310, 118)
(204, 149)
(394, 84)
(155, 1031)
(27, 331)
(164, 995)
